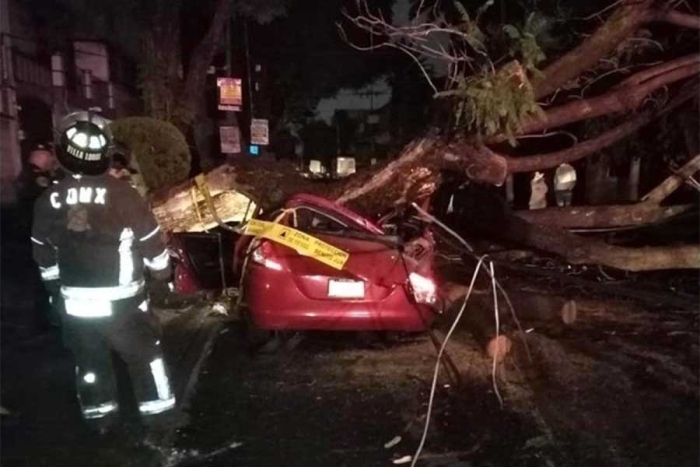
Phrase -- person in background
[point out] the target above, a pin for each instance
(39, 173)
(120, 168)
(538, 191)
(564, 183)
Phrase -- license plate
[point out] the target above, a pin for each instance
(346, 289)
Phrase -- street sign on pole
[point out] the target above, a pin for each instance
(230, 94)
(230, 139)
(259, 133)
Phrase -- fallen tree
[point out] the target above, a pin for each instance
(648, 211)
(415, 173)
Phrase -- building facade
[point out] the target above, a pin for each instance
(38, 86)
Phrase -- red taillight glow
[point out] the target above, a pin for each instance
(424, 288)
(261, 254)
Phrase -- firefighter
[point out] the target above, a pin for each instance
(93, 236)
(38, 174)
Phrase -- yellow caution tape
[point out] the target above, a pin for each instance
(302, 243)
(201, 183)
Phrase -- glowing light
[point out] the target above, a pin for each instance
(90, 378)
(424, 288)
(95, 143)
(259, 257)
(80, 140)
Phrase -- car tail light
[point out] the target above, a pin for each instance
(262, 254)
(424, 288)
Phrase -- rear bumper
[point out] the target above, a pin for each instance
(275, 303)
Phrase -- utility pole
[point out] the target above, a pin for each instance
(371, 102)
(247, 61)
(229, 118)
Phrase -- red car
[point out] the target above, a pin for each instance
(386, 284)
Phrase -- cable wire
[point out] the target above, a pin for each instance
(498, 331)
(439, 357)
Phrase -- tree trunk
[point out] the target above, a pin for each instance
(581, 250)
(202, 56)
(604, 217)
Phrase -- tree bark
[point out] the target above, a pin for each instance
(677, 18)
(672, 183)
(581, 250)
(619, 26)
(593, 145)
(619, 100)
(604, 217)
(202, 56)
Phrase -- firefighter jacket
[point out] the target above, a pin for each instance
(95, 235)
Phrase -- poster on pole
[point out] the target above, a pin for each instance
(230, 139)
(259, 133)
(230, 94)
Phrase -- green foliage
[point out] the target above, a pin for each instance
(491, 103)
(524, 41)
(488, 99)
(473, 34)
(159, 148)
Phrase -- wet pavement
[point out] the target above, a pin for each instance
(337, 399)
(605, 391)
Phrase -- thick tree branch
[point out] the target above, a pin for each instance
(603, 217)
(617, 101)
(676, 18)
(626, 19)
(593, 145)
(645, 75)
(581, 250)
(672, 183)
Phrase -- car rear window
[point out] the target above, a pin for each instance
(315, 221)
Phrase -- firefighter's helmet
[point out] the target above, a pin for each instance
(84, 143)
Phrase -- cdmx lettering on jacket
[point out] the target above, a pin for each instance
(82, 195)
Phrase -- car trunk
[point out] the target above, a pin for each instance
(376, 263)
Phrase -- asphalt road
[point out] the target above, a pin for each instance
(605, 391)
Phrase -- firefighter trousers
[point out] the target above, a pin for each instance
(129, 332)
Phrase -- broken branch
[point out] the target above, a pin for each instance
(672, 183)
